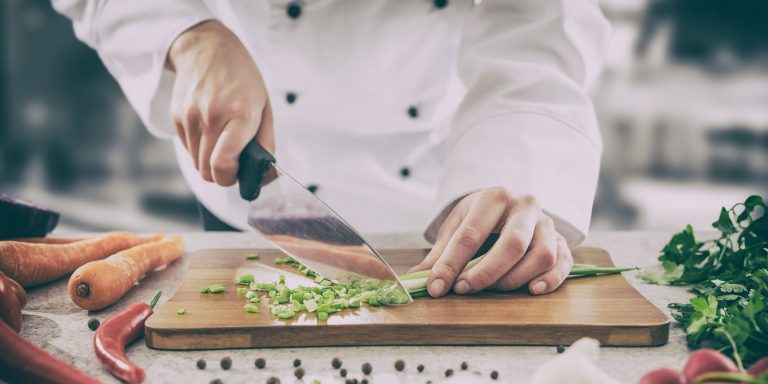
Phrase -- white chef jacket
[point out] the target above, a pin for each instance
(391, 110)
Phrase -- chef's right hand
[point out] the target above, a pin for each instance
(219, 101)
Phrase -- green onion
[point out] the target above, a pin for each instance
(287, 314)
(278, 260)
(181, 311)
(242, 290)
(251, 308)
(214, 288)
(253, 256)
(322, 316)
(244, 279)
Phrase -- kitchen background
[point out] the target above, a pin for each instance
(683, 106)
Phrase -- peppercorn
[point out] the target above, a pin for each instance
(464, 365)
(217, 381)
(494, 375)
(226, 363)
(364, 381)
(299, 373)
(260, 363)
(336, 363)
(93, 323)
(349, 381)
(367, 368)
(449, 373)
(560, 348)
(296, 362)
(201, 364)
(420, 368)
(273, 380)
(343, 372)
(399, 365)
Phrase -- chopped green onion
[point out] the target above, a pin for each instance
(287, 314)
(322, 316)
(251, 308)
(204, 290)
(244, 279)
(278, 260)
(241, 290)
(253, 256)
(181, 311)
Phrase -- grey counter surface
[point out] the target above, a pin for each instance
(53, 322)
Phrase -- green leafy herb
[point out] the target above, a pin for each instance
(729, 276)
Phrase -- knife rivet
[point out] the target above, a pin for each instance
(405, 172)
(312, 188)
(290, 97)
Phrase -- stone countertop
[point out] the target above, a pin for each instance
(53, 322)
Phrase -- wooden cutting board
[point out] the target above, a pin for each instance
(607, 308)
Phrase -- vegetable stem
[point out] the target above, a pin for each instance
(155, 298)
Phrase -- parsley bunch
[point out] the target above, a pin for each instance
(729, 276)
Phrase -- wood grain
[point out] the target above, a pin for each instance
(607, 308)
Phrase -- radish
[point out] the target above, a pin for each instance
(759, 367)
(707, 360)
(663, 376)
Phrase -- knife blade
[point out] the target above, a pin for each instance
(297, 222)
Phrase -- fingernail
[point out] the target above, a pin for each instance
(461, 287)
(437, 287)
(539, 287)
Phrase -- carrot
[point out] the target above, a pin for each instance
(100, 283)
(48, 240)
(32, 264)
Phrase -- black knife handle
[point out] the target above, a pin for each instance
(254, 163)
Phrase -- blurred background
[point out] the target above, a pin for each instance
(682, 103)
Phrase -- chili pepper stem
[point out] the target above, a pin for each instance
(155, 299)
(728, 376)
(83, 290)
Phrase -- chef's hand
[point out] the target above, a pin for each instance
(219, 102)
(528, 251)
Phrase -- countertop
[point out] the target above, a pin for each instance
(53, 322)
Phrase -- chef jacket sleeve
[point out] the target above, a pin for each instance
(526, 122)
(132, 38)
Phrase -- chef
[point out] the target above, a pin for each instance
(456, 118)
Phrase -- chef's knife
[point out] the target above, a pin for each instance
(301, 225)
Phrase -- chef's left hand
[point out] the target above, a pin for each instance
(529, 249)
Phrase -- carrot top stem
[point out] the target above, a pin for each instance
(83, 290)
(154, 299)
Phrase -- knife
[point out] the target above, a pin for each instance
(297, 222)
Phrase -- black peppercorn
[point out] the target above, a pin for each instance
(201, 364)
(299, 373)
(296, 362)
(93, 323)
(217, 381)
(420, 368)
(399, 365)
(560, 348)
(449, 373)
(343, 372)
(494, 375)
(260, 363)
(336, 363)
(273, 380)
(226, 363)
(364, 381)
(464, 365)
(367, 368)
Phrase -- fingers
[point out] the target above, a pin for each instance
(224, 158)
(541, 257)
(481, 219)
(443, 235)
(550, 280)
(509, 249)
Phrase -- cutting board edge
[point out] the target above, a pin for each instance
(487, 335)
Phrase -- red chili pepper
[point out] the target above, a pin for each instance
(24, 362)
(118, 331)
(12, 299)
